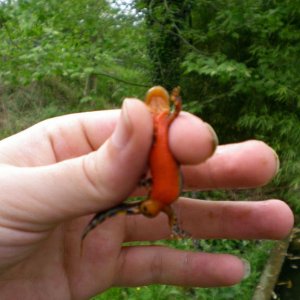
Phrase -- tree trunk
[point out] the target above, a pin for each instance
(165, 20)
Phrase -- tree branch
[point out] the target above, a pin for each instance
(147, 85)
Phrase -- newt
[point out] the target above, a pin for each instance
(164, 168)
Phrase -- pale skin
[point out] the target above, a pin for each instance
(58, 173)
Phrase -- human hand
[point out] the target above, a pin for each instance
(57, 173)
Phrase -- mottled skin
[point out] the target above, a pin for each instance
(164, 169)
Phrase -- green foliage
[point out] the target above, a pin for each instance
(241, 73)
(70, 39)
(218, 66)
(22, 107)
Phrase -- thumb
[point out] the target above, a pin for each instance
(50, 194)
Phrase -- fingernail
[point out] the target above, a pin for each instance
(247, 268)
(123, 130)
(215, 140)
(277, 162)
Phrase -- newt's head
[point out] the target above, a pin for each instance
(157, 99)
(151, 208)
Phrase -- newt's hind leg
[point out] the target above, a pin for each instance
(176, 231)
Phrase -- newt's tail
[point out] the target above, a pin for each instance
(130, 208)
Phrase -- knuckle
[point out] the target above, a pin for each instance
(88, 175)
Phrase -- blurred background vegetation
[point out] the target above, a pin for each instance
(237, 63)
